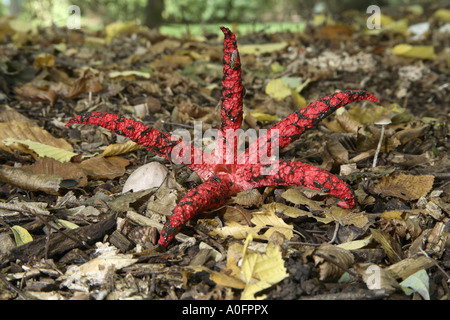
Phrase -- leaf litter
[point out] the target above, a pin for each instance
(394, 243)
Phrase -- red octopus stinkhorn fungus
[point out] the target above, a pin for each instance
(220, 180)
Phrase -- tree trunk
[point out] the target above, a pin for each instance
(153, 13)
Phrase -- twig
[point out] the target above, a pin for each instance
(13, 288)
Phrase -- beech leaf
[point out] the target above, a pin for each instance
(44, 150)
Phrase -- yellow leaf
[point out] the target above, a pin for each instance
(115, 28)
(410, 51)
(265, 224)
(264, 117)
(277, 89)
(120, 148)
(355, 244)
(129, 73)
(21, 235)
(299, 100)
(261, 271)
(443, 14)
(44, 60)
(43, 150)
(219, 278)
(262, 48)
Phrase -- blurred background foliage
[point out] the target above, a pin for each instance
(196, 13)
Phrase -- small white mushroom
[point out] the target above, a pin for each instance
(383, 123)
(151, 175)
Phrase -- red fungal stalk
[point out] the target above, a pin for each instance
(243, 173)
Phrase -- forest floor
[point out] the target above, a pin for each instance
(68, 232)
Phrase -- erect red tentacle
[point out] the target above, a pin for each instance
(232, 89)
(208, 195)
(232, 96)
(152, 139)
(292, 127)
(295, 173)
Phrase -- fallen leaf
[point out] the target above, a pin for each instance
(356, 244)
(120, 148)
(44, 60)
(410, 51)
(24, 131)
(101, 168)
(67, 170)
(262, 48)
(265, 224)
(389, 244)
(33, 182)
(329, 258)
(21, 235)
(418, 282)
(128, 73)
(404, 186)
(262, 271)
(44, 150)
(443, 14)
(32, 93)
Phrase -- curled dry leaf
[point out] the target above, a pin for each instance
(389, 244)
(332, 261)
(31, 93)
(120, 148)
(87, 82)
(28, 181)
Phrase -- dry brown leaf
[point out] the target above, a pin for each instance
(31, 93)
(65, 170)
(44, 60)
(28, 181)
(331, 261)
(390, 245)
(24, 131)
(404, 186)
(104, 168)
(248, 198)
(87, 82)
(8, 114)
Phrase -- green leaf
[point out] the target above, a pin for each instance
(21, 235)
(418, 282)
